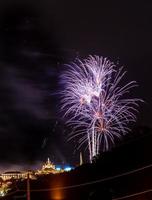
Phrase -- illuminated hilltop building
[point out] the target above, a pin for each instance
(48, 168)
(48, 165)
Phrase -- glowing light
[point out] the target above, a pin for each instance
(57, 194)
(95, 103)
(2, 193)
(58, 168)
(67, 169)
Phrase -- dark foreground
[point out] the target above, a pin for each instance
(122, 174)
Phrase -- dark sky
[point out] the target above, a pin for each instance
(36, 39)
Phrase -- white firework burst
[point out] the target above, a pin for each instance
(95, 103)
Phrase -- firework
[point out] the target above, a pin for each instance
(95, 103)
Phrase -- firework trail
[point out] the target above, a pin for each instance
(95, 103)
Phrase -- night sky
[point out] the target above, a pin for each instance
(36, 39)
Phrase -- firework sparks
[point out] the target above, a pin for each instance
(94, 102)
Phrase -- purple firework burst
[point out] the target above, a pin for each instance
(95, 102)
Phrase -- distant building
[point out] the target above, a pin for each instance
(48, 165)
(13, 175)
(48, 168)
